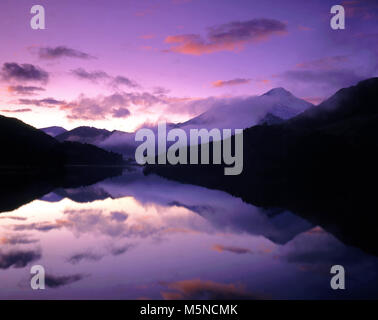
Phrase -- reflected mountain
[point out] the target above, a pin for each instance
(223, 211)
(19, 186)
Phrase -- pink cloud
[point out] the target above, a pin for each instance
(233, 36)
(16, 110)
(233, 82)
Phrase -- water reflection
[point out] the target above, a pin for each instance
(136, 236)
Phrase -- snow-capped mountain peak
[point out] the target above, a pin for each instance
(278, 92)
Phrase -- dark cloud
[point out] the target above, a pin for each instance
(18, 258)
(200, 209)
(52, 281)
(121, 113)
(16, 110)
(233, 82)
(255, 29)
(38, 226)
(23, 72)
(121, 250)
(14, 218)
(232, 36)
(88, 256)
(24, 90)
(119, 216)
(90, 75)
(97, 75)
(120, 80)
(61, 52)
(47, 102)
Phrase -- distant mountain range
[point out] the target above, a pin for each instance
(272, 107)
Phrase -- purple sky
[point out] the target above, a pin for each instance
(118, 64)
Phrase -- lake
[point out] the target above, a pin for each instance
(145, 237)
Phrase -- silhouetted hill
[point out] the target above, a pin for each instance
(22, 144)
(53, 131)
(84, 135)
(321, 164)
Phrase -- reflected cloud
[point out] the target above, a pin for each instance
(18, 258)
(200, 209)
(52, 281)
(119, 216)
(197, 289)
(222, 212)
(38, 226)
(88, 256)
(316, 251)
(14, 218)
(116, 251)
(237, 250)
(17, 239)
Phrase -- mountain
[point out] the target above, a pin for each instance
(321, 164)
(113, 141)
(25, 145)
(270, 119)
(120, 142)
(340, 130)
(84, 135)
(243, 113)
(53, 131)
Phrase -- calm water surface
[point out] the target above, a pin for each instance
(138, 237)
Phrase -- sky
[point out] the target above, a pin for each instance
(122, 64)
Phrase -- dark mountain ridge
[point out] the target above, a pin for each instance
(23, 144)
(84, 134)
